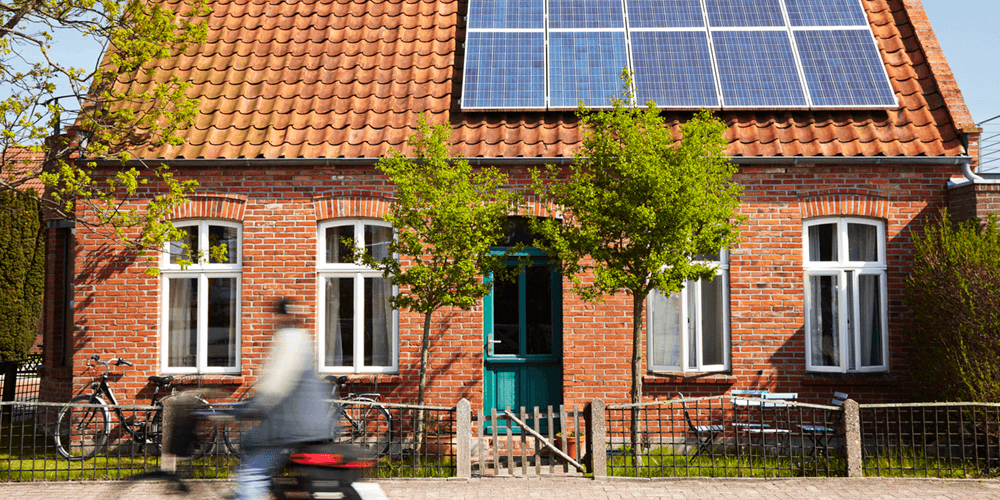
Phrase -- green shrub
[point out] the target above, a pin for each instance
(22, 272)
(954, 294)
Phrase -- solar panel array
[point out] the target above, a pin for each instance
(754, 54)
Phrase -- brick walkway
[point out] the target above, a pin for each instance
(550, 488)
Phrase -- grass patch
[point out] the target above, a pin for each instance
(414, 466)
(906, 462)
(664, 462)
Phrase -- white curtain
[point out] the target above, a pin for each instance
(824, 336)
(666, 332)
(182, 330)
(334, 355)
(381, 315)
(862, 242)
(871, 321)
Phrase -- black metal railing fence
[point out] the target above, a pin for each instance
(943, 440)
(724, 436)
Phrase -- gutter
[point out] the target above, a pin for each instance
(560, 160)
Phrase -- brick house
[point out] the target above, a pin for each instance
(300, 99)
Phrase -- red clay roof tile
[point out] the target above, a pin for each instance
(347, 78)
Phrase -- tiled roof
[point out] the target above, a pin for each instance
(25, 165)
(347, 79)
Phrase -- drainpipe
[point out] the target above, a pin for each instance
(969, 174)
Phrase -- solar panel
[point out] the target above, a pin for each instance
(843, 69)
(674, 69)
(585, 14)
(504, 70)
(506, 14)
(585, 65)
(744, 13)
(757, 69)
(665, 14)
(826, 13)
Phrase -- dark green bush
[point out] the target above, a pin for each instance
(954, 294)
(22, 272)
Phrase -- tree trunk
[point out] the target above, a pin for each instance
(636, 393)
(422, 384)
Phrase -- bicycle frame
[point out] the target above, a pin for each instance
(102, 387)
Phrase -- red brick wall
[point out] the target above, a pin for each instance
(117, 305)
(974, 201)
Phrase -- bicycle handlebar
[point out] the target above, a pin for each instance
(117, 361)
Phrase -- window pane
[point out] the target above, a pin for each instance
(862, 242)
(339, 328)
(823, 243)
(336, 250)
(870, 305)
(222, 235)
(691, 289)
(182, 323)
(712, 322)
(506, 318)
(222, 333)
(538, 302)
(377, 240)
(378, 322)
(666, 329)
(824, 333)
(190, 239)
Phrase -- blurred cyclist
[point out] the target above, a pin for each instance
(290, 401)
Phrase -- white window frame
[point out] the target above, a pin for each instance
(843, 269)
(721, 273)
(357, 272)
(203, 271)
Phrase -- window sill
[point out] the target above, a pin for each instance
(367, 378)
(688, 377)
(881, 379)
(207, 378)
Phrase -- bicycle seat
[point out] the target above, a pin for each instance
(161, 381)
(339, 380)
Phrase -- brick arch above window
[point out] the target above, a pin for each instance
(212, 206)
(857, 203)
(336, 207)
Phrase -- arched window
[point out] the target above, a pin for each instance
(201, 301)
(846, 306)
(358, 329)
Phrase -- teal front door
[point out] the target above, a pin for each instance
(523, 341)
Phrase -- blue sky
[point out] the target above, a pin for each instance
(969, 33)
(968, 30)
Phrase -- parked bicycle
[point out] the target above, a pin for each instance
(83, 426)
(363, 421)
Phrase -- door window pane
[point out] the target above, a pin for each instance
(378, 322)
(538, 302)
(506, 318)
(339, 326)
(182, 326)
(222, 322)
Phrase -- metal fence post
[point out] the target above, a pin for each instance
(852, 438)
(597, 455)
(464, 429)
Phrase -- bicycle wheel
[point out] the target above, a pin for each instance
(80, 432)
(205, 431)
(364, 423)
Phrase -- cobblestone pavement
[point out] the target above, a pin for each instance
(548, 488)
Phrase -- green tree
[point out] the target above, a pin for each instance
(117, 107)
(446, 217)
(954, 294)
(22, 273)
(637, 205)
